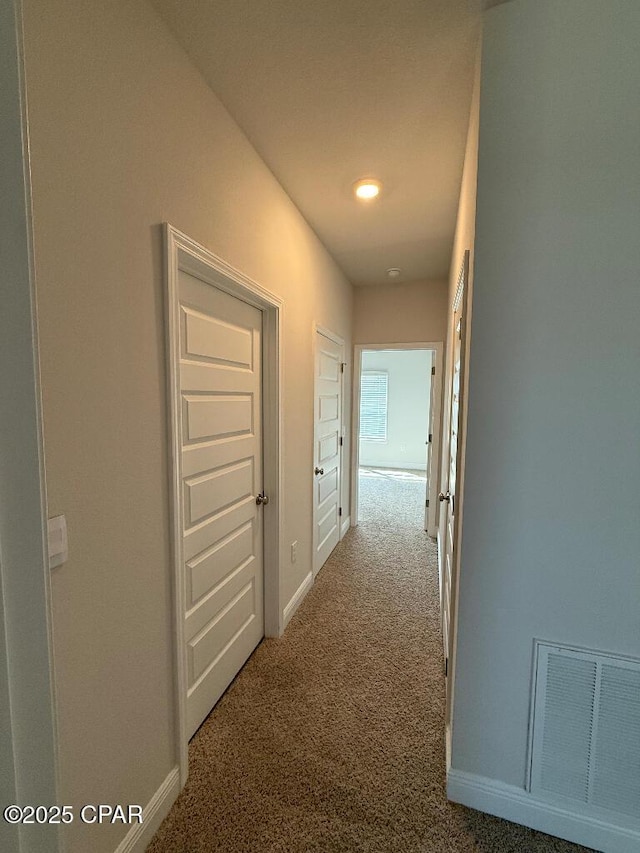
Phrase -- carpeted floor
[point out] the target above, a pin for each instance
(331, 738)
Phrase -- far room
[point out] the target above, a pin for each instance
(395, 434)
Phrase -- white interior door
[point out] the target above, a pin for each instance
(220, 466)
(430, 428)
(448, 498)
(327, 448)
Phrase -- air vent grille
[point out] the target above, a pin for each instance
(586, 728)
(568, 726)
(616, 782)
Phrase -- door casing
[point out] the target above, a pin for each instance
(434, 473)
(183, 253)
(28, 734)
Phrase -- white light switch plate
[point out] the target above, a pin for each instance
(58, 545)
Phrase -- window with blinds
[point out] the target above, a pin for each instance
(374, 386)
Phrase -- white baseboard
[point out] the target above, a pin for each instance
(296, 599)
(344, 529)
(396, 466)
(515, 804)
(140, 834)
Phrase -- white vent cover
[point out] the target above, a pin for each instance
(585, 742)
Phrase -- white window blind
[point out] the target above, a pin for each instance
(374, 386)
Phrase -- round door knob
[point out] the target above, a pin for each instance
(262, 499)
(319, 470)
(443, 497)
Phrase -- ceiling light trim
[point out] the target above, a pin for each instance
(367, 189)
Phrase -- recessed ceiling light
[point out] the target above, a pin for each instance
(367, 188)
(394, 272)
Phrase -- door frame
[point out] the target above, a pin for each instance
(434, 481)
(337, 339)
(28, 734)
(184, 254)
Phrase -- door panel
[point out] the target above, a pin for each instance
(430, 433)
(216, 341)
(450, 504)
(227, 415)
(216, 490)
(327, 450)
(328, 447)
(327, 487)
(221, 474)
(450, 538)
(329, 408)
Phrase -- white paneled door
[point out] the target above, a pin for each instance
(220, 469)
(448, 499)
(431, 432)
(327, 448)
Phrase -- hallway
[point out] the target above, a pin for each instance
(331, 739)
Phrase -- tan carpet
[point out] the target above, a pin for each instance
(331, 739)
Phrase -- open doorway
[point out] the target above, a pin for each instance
(397, 392)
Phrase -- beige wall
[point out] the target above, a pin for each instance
(125, 135)
(466, 221)
(400, 313)
(551, 537)
(464, 239)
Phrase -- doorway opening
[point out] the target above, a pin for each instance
(397, 399)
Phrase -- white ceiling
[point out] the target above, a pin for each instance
(329, 91)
